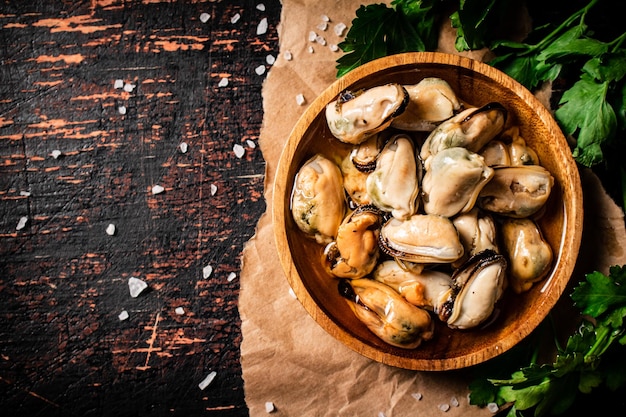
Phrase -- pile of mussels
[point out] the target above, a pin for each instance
(422, 225)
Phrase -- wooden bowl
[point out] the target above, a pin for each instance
(561, 224)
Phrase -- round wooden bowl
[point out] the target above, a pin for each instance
(561, 224)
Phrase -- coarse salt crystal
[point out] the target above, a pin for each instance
(56, 153)
(493, 407)
(381, 414)
(417, 396)
(270, 59)
(213, 189)
(123, 315)
(223, 82)
(184, 147)
(118, 84)
(321, 40)
(454, 402)
(204, 17)
(444, 407)
(157, 189)
(180, 311)
(121, 109)
(239, 150)
(288, 56)
(231, 277)
(269, 407)
(322, 26)
(110, 230)
(262, 26)
(206, 381)
(129, 87)
(235, 18)
(333, 47)
(136, 286)
(300, 99)
(250, 143)
(25, 193)
(21, 223)
(312, 36)
(325, 18)
(260, 70)
(310, 49)
(339, 28)
(260, 7)
(207, 271)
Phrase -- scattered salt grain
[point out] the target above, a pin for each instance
(262, 26)
(56, 153)
(381, 414)
(260, 7)
(444, 407)
(118, 84)
(204, 17)
(123, 315)
(207, 271)
(417, 396)
(292, 293)
(110, 230)
(325, 18)
(492, 407)
(157, 189)
(184, 147)
(250, 143)
(180, 311)
(206, 381)
(260, 70)
(270, 59)
(321, 40)
(312, 36)
(288, 56)
(454, 402)
(136, 286)
(322, 26)
(25, 193)
(300, 99)
(121, 109)
(235, 18)
(129, 87)
(239, 150)
(333, 47)
(223, 82)
(310, 49)
(231, 277)
(21, 223)
(213, 189)
(269, 407)
(339, 28)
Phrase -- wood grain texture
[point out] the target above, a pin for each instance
(72, 162)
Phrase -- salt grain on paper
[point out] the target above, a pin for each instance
(444, 407)
(333, 47)
(320, 40)
(213, 189)
(235, 18)
(300, 99)
(123, 315)
(223, 82)
(260, 70)
(381, 414)
(239, 150)
(493, 407)
(56, 153)
(110, 229)
(157, 189)
(180, 311)
(322, 26)
(417, 396)
(262, 26)
(339, 28)
(454, 402)
(207, 271)
(231, 277)
(325, 18)
(118, 84)
(206, 381)
(269, 407)
(136, 286)
(204, 17)
(310, 49)
(184, 147)
(312, 36)
(288, 56)
(21, 223)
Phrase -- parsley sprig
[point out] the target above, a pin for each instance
(590, 359)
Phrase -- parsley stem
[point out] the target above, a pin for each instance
(617, 42)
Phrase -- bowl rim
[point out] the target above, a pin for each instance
(572, 220)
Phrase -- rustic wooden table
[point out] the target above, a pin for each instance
(131, 114)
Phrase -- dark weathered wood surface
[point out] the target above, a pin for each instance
(63, 279)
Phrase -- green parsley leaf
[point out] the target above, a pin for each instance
(599, 292)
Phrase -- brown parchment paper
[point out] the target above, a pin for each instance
(288, 359)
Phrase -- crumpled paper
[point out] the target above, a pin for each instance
(288, 359)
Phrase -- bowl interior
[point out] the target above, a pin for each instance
(561, 223)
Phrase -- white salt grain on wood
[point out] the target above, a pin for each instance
(269, 407)
(223, 82)
(121, 109)
(184, 147)
(262, 26)
(250, 143)
(207, 271)
(239, 150)
(300, 99)
(136, 286)
(157, 189)
(56, 153)
(204, 17)
(110, 229)
(260, 70)
(129, 87)
(21, 223)
(123, 315)
(270, 59)
(206, 381)
(231, 277)
(180, 311)
(213, 189)
(235, 18)
(118, 84)
(25, 193)
(260, 7)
